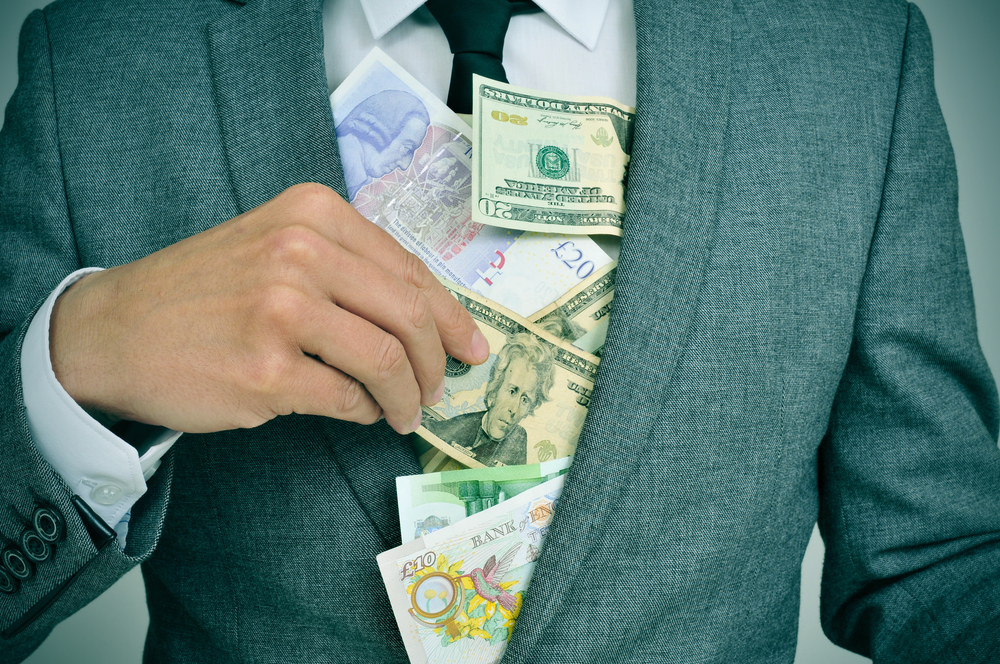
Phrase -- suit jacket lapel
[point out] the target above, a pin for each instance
(683, 49)
(270, 88)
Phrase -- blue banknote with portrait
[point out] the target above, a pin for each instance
(407, 163)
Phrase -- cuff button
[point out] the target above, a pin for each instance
(107, 494)
(36, 549)
(8, 584)
(17, 564)
(49, 524)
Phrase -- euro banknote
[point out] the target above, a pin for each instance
(525, 404)
(407, 161)
(581, 315)
(437, 500)
(547, 162)
(456, 593)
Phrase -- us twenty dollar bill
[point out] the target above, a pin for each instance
(434, 501)
(457, 592)
(546, 162)
(525, 404)
(581, 315)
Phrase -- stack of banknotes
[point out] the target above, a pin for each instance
(519, 217)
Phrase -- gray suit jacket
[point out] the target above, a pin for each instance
(793, 338)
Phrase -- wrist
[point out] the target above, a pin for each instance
(78, 328)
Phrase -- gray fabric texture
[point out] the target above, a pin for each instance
(793, 338)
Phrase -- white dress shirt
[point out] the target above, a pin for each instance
(97, 465)
(581, 47)
(577, 47)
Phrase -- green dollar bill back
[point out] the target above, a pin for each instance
(544, 162)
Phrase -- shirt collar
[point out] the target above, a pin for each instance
(582, 19)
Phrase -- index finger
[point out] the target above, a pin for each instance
(459, 335)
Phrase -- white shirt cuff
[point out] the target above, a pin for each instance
(104, 470)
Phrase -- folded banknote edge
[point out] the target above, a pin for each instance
(390, 572)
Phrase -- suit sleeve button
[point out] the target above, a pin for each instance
(35, 549)
(107, 494)
(17, 564)
(8, 584)
(49, 524)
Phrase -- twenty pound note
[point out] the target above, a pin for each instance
(407, 161)
(457, 592)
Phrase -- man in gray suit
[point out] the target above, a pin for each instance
(793, 339)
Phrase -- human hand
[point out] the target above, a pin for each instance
(299, 305)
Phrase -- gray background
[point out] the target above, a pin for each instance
(112, 628)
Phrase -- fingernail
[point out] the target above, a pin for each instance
(438, 393)
(480, 347)
(416, 422)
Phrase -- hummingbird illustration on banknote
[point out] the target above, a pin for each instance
(486, 580)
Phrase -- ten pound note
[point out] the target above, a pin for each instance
(554, 163)
(457, 592)
(525, 404)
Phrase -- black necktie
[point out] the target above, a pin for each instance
(475, 30)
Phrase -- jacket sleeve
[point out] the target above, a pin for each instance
(910, 468)
(57, 555)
